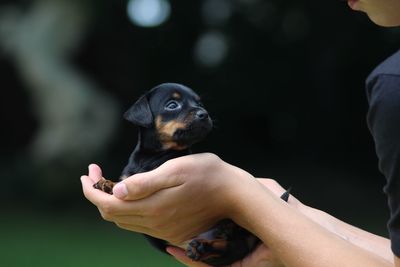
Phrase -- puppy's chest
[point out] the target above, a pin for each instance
(139, 163)
(132, 169)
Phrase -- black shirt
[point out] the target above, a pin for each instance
(383, 91)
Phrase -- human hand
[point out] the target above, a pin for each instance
(262, 256)
(175, 202)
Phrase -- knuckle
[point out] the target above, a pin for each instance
(139, 184)
(211, 161)
(271, 182)
(207, 157)
(177, 168)
(211, 156)
(106, 216)
(179, 171)
(107, 208)
(122, 226)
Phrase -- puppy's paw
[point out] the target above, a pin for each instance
(206, 250)
(105, 186)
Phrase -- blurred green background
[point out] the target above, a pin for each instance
(283, 80)
(70, 239)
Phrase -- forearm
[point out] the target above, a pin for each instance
(363, 239)
(295, 238)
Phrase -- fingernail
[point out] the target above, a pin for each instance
(168, 249)
(120, 190)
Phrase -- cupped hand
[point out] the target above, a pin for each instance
(175, 202)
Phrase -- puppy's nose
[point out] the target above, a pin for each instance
(201, 114)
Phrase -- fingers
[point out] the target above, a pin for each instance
(135, 228)
(125, 214)
(111, 207)
(142, 185)
(126, 220)
(172, 173)
(180, 256)
(93, 195)
(114, 210)
(95, 172)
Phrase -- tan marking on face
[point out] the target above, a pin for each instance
(167, 129)
(166, 132)
(177, 95)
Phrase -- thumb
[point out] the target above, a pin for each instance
(142, 185)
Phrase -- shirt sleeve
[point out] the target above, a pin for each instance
(383, 119)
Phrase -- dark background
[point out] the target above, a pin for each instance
(288, 100)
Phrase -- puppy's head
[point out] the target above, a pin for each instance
(175, 114)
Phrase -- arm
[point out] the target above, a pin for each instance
(177, 190)
(356, 236)
(368, 241)
(294, 237)
(363, 239)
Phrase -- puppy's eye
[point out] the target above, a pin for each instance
(172, 105)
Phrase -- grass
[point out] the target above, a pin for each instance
(30, 238)
(66, 241)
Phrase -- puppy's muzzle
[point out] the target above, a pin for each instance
(201, 114)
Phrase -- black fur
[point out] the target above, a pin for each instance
(171, 119)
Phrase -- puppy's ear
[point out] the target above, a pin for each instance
(140, 113)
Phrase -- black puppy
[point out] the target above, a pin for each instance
(171, 118)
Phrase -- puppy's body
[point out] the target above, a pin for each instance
(144, 162)
(171, 119)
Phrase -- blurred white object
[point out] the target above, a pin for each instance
(211, 49)
(76, 119)
(148, 13)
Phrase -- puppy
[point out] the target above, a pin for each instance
(171, 119)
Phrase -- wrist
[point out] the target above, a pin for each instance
(248, 199)
(224, 190)
(237, 191)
